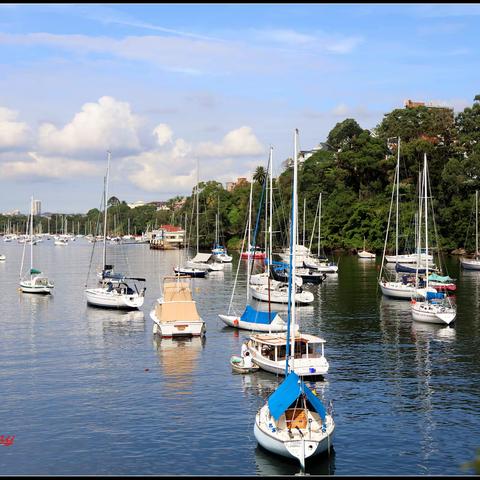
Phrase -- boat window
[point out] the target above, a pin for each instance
(281, 352)
(314, 350)
(300, 349)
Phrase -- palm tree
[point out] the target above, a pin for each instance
(260, 175)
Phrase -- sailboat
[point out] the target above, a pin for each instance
(304, 255)
(201, 261)
(34, 281)
(404, 286)
(473, 263)
(293, 422)
(252, 319)
(270, 290)
(115, 290)
(219, 252)
(269, 351)
(428, 306)
(364, 253)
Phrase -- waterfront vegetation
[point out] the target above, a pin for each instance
(355, 174)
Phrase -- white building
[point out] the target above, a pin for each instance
(140, 203)
(37, 207)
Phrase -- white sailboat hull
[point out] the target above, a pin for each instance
(260, 292)
(428, 313)
(29, 287)
(222, 258)
(470, 263)
(237, 322)
(280, 443)
(410, 258)
(397, 290)
(320, 267)
(99, 297)
(366, 254)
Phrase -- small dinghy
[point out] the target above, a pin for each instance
(237, 365)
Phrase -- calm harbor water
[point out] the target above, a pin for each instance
(91, 391)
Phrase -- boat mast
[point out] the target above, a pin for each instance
(270, 247)
(398, 188)
(105, 215)
(476, 224)
(426, 211)
(196, 191)
(319, 223)
(249, 249)
(304, 207)
(290, 354)
(31, 236)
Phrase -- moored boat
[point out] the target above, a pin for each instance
(175, 313)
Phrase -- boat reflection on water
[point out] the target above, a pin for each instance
(394, 310)
(270, 464)
(260, 383)
(178, 359)
(102, 322)
(431, 331)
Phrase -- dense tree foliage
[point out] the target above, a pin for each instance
(355, 176)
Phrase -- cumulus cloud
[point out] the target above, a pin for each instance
(49, 167)
(163, 133)
(106, 124)
(163, 170)
(237, 143)
(171, 167)
(12, 133)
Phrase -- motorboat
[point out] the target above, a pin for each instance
(269, 352)
(175, 313)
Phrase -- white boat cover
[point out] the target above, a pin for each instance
(201, 257)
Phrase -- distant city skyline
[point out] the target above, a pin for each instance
(164, 86)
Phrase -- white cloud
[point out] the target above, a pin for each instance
(340, 110)
(314, 41)
(237, 143)
(12, 133)
(107, 124)
(172, 166)
(163, 133)
(49, 167)
(163, 170)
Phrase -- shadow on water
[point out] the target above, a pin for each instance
(268, 464)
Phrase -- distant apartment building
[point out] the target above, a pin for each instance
(37, 207)
(229, 186)
(411, 104)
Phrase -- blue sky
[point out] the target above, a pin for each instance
(164, 86)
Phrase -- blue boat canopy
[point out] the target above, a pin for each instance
(438, 278)
(432, 295)
(113, 276)
(34, 271)
(253, 316)
(287, 392)
(275, 263)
